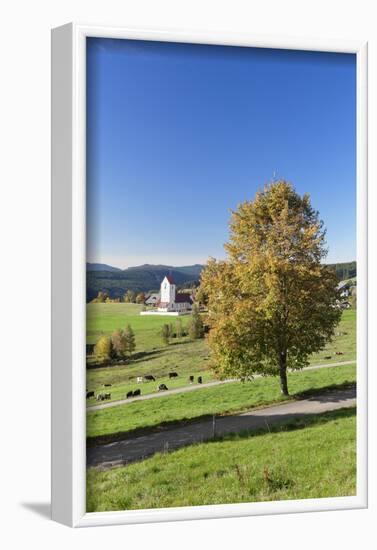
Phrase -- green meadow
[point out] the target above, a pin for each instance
(116, 423)
(313, 457)
(182, 355)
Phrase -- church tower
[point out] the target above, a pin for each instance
(167, 290)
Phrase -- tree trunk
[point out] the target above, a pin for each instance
(283, 373)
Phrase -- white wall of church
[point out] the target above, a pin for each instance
(167, 291)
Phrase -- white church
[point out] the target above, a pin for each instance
(171, 302)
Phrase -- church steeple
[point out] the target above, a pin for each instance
(168, 290)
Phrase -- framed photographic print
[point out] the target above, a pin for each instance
(209, 293)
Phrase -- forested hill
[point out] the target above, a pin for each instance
(345, 270)
(145, 278)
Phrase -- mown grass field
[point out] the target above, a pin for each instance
(311, 458)
(183, 356)
(118, 422)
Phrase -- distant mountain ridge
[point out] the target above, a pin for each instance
(148, 277)
(143, 278)
(101, 267)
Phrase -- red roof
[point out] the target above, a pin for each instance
(170, 279)
(183, 297)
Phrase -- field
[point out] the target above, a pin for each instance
(290, 462)
(118, 422)
(182, 355)
(311, 458)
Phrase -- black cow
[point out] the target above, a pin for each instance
(191, 379)
(107, 396)
(149, 377)
(107, 385)
(200, 380)
(89, 394)
(136, 393)
(129, 394)
(162, 387)
(173, 374)
(327, 357)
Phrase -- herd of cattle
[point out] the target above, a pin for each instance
(137, 392)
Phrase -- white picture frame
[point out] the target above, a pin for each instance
(68, 277)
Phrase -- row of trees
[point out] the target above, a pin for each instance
(194, 328)
(121, 344)
(130, 296)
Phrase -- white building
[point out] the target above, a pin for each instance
(170, 301)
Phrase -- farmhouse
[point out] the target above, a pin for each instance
(152, 299)
(170, 301)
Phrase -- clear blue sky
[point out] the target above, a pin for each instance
(177, 134)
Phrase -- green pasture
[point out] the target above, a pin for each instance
(182, 355)
(314, 457)
(118, 422)
(103, 319)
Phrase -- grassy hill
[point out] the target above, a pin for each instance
(311, 458)
(143, 278)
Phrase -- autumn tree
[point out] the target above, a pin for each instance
(140, 298)
(104, 348)
(101, 297)
(129, 296)
(119, 342)
(271, 302)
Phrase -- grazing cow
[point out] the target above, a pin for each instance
(200, 380)
(139, 379)
(129, 394)
(107, 385)
(191, 379)
(136, 393)
(162, 387)
(107, 396)
(89, 394)
(173, 374)
(339, 353)
(327, 357)
(100, 397)
(149, 377)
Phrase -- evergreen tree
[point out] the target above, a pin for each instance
(178, 328)
(165, 333)
(129, 336)
(196, 328)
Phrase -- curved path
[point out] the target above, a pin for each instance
(138, 448)
(184, 389)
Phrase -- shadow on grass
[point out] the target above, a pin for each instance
(287, 424)
(323, 395)
(327, 393)
(239, 427)
(136, 358)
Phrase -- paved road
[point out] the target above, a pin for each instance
(185, 389)
(137, 448)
